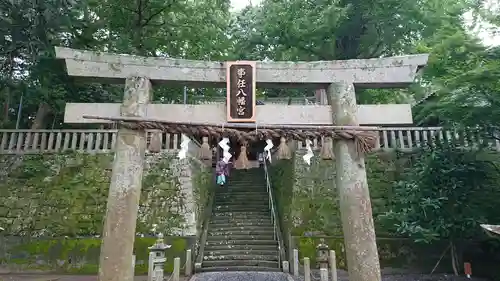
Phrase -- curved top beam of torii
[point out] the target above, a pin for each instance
(388, 72)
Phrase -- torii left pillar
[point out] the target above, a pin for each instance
(354, 196)
(125, 188)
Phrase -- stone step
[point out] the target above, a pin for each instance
(227, 216)
(256, 199)
(227, 204)
(218, 219)
(244, 185)
(260, 201)
(241, 208)
(241, 247)
(252, 195)
(241, 205)
(247, 232)
(246, 194)
(241, 228)
(227, 263)
(248, 185)
(242, 195)
(240, 257)
(223, 221)
(227, 213)
(246, 174)
(235, 194)
(240, 186)
(242, 199)
(247, 242)
(253, 180)
(241, 191)
(239, 268)
(273, 252)
(249, 179)
(236, 237)
(245, 224)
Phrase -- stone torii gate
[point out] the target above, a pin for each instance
(339, 78)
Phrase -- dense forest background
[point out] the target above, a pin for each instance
(461, 81)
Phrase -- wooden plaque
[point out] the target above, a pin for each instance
(241, 91)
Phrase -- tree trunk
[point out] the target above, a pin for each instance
(41, 116)
(453, 253)
(440, 258)
(6, 105)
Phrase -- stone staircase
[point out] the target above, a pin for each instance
(240, 233)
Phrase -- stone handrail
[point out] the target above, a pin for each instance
(103, 141)
(275, 218)
(56, 141)
(207, 215)
(409, 138)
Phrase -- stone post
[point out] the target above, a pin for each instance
(177, 270)
(307, 269)
(295, 267)
(188, 270)
(323, 274)
(320, 95)
(125, 188)
(151, 266)
(133, 264)
(286, 267)
(333, 265)
(352, 186)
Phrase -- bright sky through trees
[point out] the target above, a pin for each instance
(488, 38)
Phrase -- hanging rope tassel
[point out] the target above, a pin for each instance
(327, 149)
(365, 138)
(205, 153)
(155, 142)
(283, 150)
(242, 162)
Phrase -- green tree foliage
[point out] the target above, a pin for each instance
(346, 29)
(461, 78)
(202, 29)
(445, 194)
(29, 30)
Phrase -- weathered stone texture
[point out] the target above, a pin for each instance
(384, 72)
(351, 182)
(183, 169)
(280, 114)
(125, 188)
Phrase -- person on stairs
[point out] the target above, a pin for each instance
(221, 171)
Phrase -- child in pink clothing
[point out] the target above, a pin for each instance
(221, 171)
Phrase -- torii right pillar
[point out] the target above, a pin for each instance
(355, 205)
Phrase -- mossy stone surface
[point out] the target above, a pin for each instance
(307, 196)
(79, 256)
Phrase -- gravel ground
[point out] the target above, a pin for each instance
(342, 276)
(49, 277)
(240, 276)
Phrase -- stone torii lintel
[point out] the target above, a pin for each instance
(277, 114)
(391, 72)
